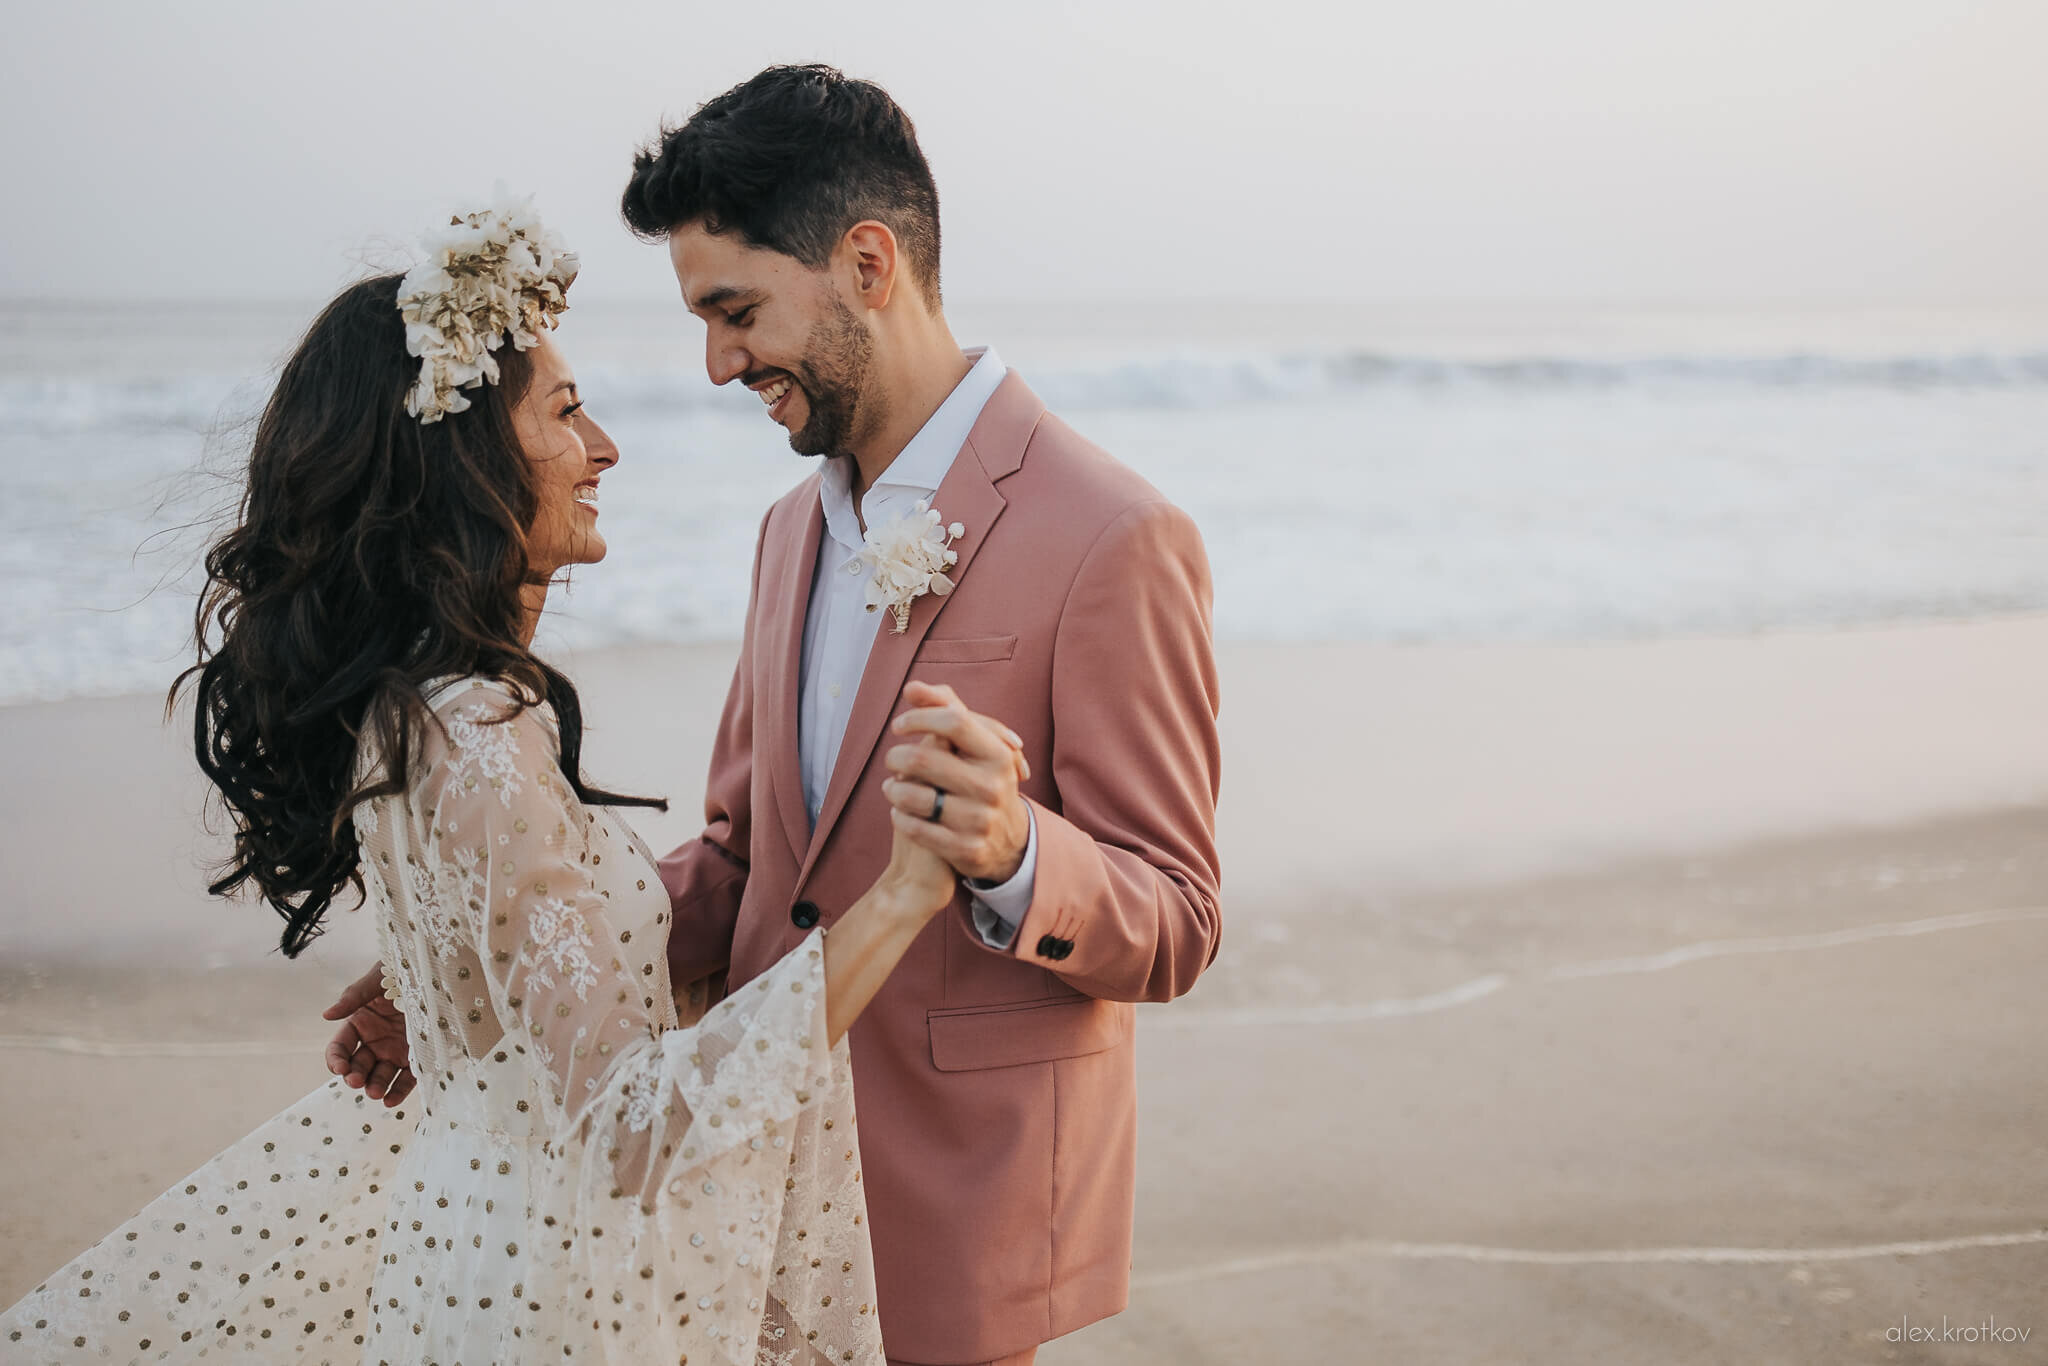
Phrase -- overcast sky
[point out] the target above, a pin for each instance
(1625, 150)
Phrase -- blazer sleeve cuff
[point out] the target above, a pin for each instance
(1052, 927)
(1000, 907)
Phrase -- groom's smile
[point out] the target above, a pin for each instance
(775, 393)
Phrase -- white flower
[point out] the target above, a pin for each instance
(487, 276)
(909, 558)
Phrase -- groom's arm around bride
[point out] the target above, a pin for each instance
(706, 877)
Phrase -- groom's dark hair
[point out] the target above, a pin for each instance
(789, 160)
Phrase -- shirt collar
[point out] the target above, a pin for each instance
(922, 465)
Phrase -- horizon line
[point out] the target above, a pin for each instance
(1633, 303)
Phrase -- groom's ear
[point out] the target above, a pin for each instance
(875, 258)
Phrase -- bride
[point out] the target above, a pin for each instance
(577, 1177)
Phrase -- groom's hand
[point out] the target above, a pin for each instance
(369, 1052)
(977, 762)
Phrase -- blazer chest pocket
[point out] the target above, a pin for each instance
(978, 650)
(978, 1037)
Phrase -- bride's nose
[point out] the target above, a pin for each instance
(597, 443)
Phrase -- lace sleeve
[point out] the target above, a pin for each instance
(708, 1177)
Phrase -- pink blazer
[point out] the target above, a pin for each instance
(995, 1088)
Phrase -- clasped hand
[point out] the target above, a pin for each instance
(956, 783)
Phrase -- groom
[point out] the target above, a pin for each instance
(1060, 747)
(994, 1071)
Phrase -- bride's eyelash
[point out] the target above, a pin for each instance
(573, 409)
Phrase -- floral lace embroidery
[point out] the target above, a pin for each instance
(424, 889)
(483, 745)
(644, 1101)
(452, 902)
(561, 943)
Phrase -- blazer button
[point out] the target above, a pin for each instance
(804, 915)
(1048, 947)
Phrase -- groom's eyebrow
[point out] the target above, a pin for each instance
(720, 295)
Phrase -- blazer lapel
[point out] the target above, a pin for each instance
(968, 495)
(789, 602)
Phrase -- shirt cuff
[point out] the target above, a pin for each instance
(999, 908)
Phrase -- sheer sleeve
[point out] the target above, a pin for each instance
(704, 1181)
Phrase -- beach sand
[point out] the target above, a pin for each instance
(1672, 1002)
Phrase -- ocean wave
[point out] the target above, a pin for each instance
(1776, 504)
(201, 403)
(1206, 382)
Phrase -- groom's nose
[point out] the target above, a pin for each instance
(723, 362)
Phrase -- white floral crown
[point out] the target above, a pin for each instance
(487, 276)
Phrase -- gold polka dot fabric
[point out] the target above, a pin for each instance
(576, 1178)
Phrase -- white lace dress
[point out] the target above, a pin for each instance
(575, 1180)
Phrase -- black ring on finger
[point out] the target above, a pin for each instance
(938, 806)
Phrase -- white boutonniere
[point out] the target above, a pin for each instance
(909, 558)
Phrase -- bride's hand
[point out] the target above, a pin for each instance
(872, 937)
(921, 879)
(369, 1052)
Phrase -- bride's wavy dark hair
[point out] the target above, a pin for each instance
(372, 554)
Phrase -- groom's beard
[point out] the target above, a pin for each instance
(833, 376)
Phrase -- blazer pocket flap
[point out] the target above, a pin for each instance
(979, 650)
(1029, 1031)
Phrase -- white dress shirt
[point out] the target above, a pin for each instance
(839, 631)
